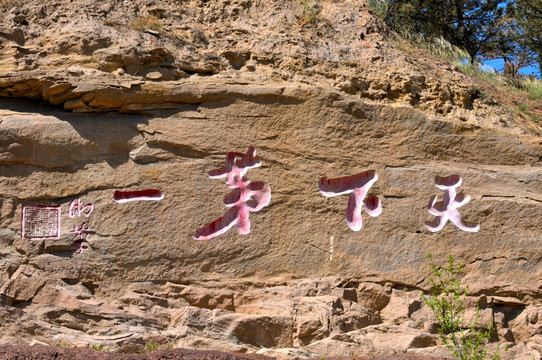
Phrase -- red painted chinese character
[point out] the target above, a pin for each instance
(76, 209)
(447, 208)
(80, 247)
(357, 186)
(126, 196)
(81, 234)
(245, 197)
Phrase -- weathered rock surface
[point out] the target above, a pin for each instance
(9, 352)
(149, 95)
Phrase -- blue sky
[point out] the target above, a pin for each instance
(498, 64)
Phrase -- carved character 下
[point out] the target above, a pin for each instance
(357, 186)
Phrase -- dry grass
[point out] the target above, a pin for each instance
(152, 22)
(310, 12)
(533, 87)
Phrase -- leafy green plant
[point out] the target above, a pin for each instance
(97, 347)
(447, 301)
(148, 348)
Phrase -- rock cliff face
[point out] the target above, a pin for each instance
(135, 95)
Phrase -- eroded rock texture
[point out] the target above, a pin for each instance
(94, 102)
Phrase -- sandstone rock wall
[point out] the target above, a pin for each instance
(84, 116)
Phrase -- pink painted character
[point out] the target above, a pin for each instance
(76, 209)
(447, 208)
(245, 197)
(357, 186)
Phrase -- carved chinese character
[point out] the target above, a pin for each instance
(40, 222)
(245, 197)
(447, 208)
(76, 209)
(357, 186)
(81, 234)
(80, 247)
(126, 196)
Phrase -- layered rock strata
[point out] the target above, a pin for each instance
(92, 105)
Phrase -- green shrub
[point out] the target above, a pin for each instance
(447, 301)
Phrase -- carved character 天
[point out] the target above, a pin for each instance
(357, 186)
(447, 208)
(245, 197)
